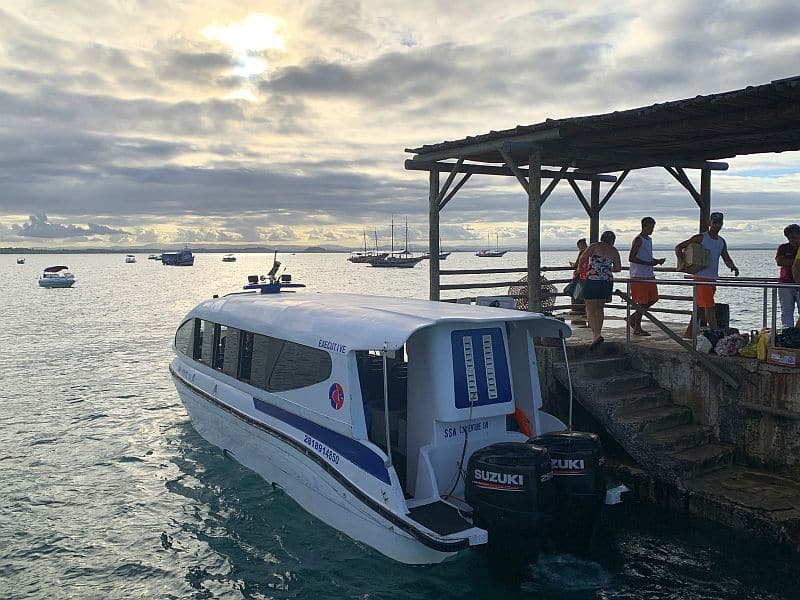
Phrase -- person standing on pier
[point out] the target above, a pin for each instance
(600, 261)
(641, 260)
(785, 257)
(578, 307)
(716, 246)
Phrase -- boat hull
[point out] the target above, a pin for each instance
(53, 283)
(280, 457)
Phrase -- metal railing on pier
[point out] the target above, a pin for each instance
(769, 286)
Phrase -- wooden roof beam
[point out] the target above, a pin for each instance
(466, 150)
(424, 165)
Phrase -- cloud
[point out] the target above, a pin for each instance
(38, 226)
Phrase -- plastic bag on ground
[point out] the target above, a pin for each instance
(703, 345)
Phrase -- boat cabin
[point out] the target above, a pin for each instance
(419, 384)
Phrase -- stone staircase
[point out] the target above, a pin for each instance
(639, 415)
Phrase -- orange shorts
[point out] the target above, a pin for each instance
(644, 292)
(705, 293)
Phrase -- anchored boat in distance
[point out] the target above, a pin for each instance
(184, 258)
(57, 277)
(488, 252)
(415, 427)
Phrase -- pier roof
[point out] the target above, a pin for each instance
(756, 119)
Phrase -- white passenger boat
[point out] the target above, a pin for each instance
(130, 258)
(57, 277)
(229, 258)
(406, 424)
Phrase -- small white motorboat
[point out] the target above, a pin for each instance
(57, 277)
(20, 261)
(229, 258)
(415, 427)
(130, 258)
(154, 257)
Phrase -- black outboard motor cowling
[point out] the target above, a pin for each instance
(510, 489)
(576, 460)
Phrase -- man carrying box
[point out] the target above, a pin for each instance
(716, 247)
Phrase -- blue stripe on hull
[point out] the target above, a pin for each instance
(351, 449)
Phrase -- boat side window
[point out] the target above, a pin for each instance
(299, 366)
(226, 357)
(207, 344)
(245, 356)
(183, 337)
(265, 352)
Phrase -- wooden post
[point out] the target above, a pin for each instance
(433, 233)
(594, 213)
(534, 229)
(705, 195)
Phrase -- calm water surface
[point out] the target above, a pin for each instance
(106, 491)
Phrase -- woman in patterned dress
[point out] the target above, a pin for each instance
(600, 260)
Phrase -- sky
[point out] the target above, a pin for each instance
(143, 123)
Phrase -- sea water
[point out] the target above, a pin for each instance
(106, 490)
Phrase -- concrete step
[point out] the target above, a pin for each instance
(702, 459)
(616, 384)
(601, 366)
(578, 352)
(650, 397)
(650, 420)
(676, 439)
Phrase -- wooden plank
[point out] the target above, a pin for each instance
(613, 189)
(449, 180)
(473, 286)
(680, 177)
(483, 271)
(514, 168)
(534, 229)
(552, 185)
(594, 215)
(476, 169)
(461, 182)
(433, 235)
(481, 147)
(580, 196)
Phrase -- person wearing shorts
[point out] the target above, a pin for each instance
(599, 261)
(643, 291)
(717, 248)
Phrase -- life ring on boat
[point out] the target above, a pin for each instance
(523, 423)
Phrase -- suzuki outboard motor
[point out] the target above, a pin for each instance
(510, 489)
(576, 459)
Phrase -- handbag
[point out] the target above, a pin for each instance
(570, 287)
(577, 293)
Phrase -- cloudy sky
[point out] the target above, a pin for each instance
(272, 122)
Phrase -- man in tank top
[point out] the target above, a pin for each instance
(643, 292)
(717, 248)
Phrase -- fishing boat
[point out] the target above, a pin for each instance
(130, 258)
(229, 258)
(154, 257)
(488, 252)
(20, 261)
(184, 258)
(57, 277)
(412, 426)
(367, 256)
(403, 259)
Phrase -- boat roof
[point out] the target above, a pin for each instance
(356, 322)
(56, 269)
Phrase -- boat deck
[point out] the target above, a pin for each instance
(440, 517)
